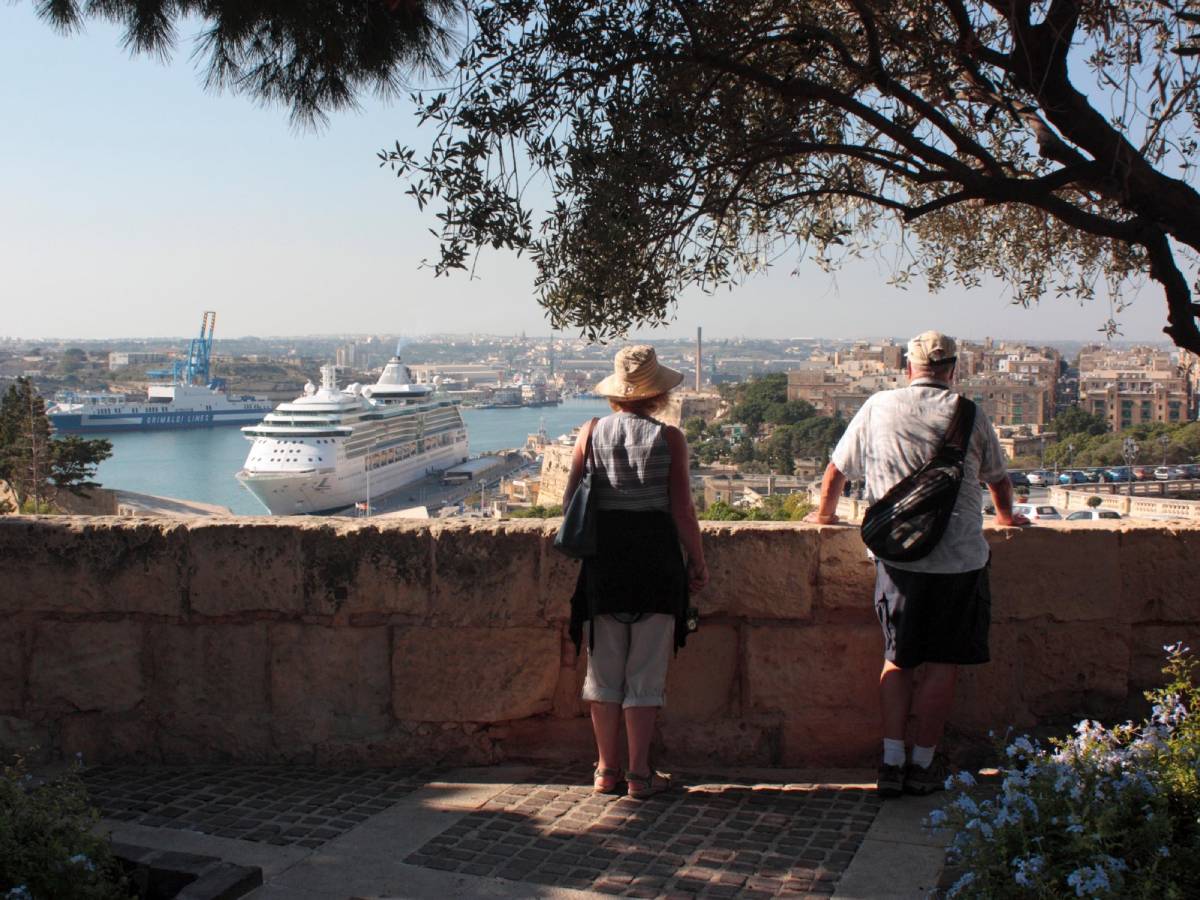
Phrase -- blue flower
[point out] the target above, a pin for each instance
(959, 886)
(20, 892)
(937, 818)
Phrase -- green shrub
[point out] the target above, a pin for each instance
(1094, 501)
(47, 849)
(536, 512)
(1108, 813)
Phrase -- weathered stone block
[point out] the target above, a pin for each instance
(209, 695)
(825, 738)
(702, 683)
(550, 739)
(558, 577)
(988, 696)
(1148, 656)
(1077, 571)
(727, 742)
(1159, 582)
(760, 570)
(79, 564)
(328, 683)
(473, 674)
(99, 738)
(357, 568)
(1077, 669)
(845, 574)
(487, 574)
(393, 568)
(792, 669)
(14, 645)
(86, 666)
(245, 565)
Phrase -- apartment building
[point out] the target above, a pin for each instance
(1009, 399)
(1136, 386)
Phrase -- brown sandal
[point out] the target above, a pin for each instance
(601, 788)
(642, 786)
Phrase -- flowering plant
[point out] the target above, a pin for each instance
(47, 848)
(1108, 812)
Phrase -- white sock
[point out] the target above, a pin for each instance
(922, 756)
(893, 752)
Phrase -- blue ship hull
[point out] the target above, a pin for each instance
(165, 421)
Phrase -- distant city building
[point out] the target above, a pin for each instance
(122, 359)
(1024, 440)
(1136, 386)
(1009, 399)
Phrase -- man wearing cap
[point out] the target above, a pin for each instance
(934, 611)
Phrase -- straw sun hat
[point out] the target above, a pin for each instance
(638, 375)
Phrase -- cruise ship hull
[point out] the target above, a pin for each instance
(319, 492)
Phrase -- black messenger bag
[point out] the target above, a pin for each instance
(907, 522)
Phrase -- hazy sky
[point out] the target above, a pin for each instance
(131, 199)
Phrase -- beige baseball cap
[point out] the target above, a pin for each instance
(931, 348)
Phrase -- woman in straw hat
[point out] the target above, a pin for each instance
(631, 599)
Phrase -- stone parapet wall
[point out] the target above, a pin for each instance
(340, 642)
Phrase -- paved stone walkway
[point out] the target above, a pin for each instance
(527, 832)
(278, 805)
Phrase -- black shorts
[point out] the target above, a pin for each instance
(933, 617)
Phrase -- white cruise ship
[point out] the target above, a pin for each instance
(335, 447)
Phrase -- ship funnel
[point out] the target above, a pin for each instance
(329, 378)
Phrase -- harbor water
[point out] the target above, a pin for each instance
(199, 464)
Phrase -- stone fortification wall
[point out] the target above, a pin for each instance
(339, 642)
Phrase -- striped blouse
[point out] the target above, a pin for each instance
(633, 463)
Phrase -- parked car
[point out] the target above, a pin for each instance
(1117, 473)
(1072, 477)
(1177, 472)
(1143, 473)
(1087, 514)
(1162, 473)
(1037, 512)
(1037, 479)
(1191, 470)
(1092, 475)
(1018, 479)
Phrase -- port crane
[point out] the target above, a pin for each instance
(194, 369)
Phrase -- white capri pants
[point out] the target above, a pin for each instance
(628, 662)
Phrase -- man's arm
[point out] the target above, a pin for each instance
(1002, 498)
(831, 489)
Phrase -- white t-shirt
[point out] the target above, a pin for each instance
(897, 432)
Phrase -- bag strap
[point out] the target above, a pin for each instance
(588, 458)
(962, 424)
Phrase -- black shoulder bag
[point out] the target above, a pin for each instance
(577, 534)
(909, 520)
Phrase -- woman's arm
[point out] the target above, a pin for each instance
(577, 458)
(682, 509)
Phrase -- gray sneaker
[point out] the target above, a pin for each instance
(921, 781)
(890, 781)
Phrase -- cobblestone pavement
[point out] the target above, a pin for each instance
(281, 805)
(705, 838)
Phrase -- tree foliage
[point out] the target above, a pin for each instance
(1048, 144)
(31, 461)
(1076, 420)
(312, 55)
